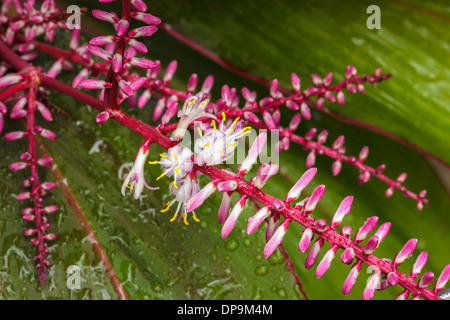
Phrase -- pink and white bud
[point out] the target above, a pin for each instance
(351, 278)
(48, 134)
(143, 99)
(339, 142)
(224, 208)
(255, 220)
(322, 137)
(402, 295)
(29, 217)
(366, 228)
(443, 279)
(320, 103)
(197, 200)
(141, 63)
(117, 62)
(330, 96)
(278, 205)
(325, 263)
(137, 45)
(193, 82)
(18, 166)
(364, 177)
(49, 185)
(271, 225)
(146, 31)
(102, 117)
(343, 209)
(268, 120)
(419, 264)
(382, 231)
(94, 84)
(50, 236)
(170, 113)
(363, 153)
(371, 245)
(208, 84)
(233, 217)
(99, 52)
(316, 79)
(389, 192)
(139, 5)
(170, 71)
(146, 18)
(304, 110)
(315, 198)
(295, 80)
(336, 167)
(327, 79)
(30, 232)
(102, 40)
(305, 240)
(251, 117)
(45, 162)
(426, 279)
(314, 253)
(266, 171)
(276, 239)
(55, 69)
(227, 186)
(349, 71)
(372, 284)
(50, 209)
(405, 252)
(292, 105)
(311, 158)
(296, 119)
(348, 255)
(392, 278)
(321, 225)
(82, 75)
(10, 79)
(24, 196)
(105, 16)
(340, 97)
(347, 231)
(3, 108)
(45, 112)
(311, 134)
(253, 154)
(402, 177)
(122, 27)
(15, 135)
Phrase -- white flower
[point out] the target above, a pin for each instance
(186, 189)
(217, 145)
(193, 109)
(135, 180)
(177, 162)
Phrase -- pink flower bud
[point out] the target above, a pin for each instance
(197, 200)
(94, 84)
(159, 108)
(336, 167)
(80, 77)
(137, 45)
(339, 142)
(99, 52)
(102, 40)
(49, 185)
(139, 5)
(366, 228)
(443, 279)
(330, 96)
(46, 114)
(325, 263)
(48, 134)
(419, 264)
(316, 79)
(343, 209)
(276, 239)
(402, 177)
(122, 27)
(227, 186)
(372, 284)
(340, 97)
(327, 79)
(251, 117)
(146, 18)
(292, 105)
(143, 99)
(405, 252)
(208, 84)
(10, 79)
(192, 83)
(170, 113)
(50, 209)
(253, 154)
(265, 102)
(314, 253)
(233, 217)
(311, 158)
(24, 196)
(371, 245)
(274, 91)
(105, 16)
(389, 192)
(383, 231)
(364, 153)
(293, 125)
(55, 69)
(348, 255)
(146, 31)
(305, 240)
(18, 166)
(224, 208)
(16, 114)
(266, 171)
(30, 232)
(304, 110)
(351, 278)
(142, 63)
(392, 278)
(117, 62)
(45, 162)
(315, 198)
(295, 80)
(102, 117)
(170, 71)
(255, 220)
(426, 279)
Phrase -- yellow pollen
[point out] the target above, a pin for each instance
(174, 217)
(192, 101)
(177, 170)
(168, 203)
(223, 153)
(162, 175)
(175, 156)
(232, 145)
(163, 155)
(204, 103)
(152, 162)
(184, 218)
(206, 145)
(175, 184)
(247, 128)
(214, 124)
(131, 186)
(223, 116)
(200, 131)
(195, 218)
(165, 210)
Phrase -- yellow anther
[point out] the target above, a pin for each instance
(131, 186)
(168, 203)
(175, 156)
(153, 162)
(162, 175)
(175, 184)
(232, 145)
(206, 145)
(214, 124)
(195, 218)
(200, 131)
(165, 210)
(192, 101)
(177, 170)
(164, 155)
(223, 116)
(247, 128)
(174, 217)
(184, 218)
(223, 153)
(204, 103)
